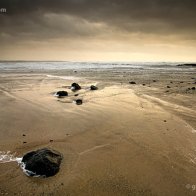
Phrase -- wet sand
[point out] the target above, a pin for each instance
(123, 140)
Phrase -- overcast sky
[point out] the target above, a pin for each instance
(98, 30)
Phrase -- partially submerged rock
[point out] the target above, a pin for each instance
(75, 87)
(62, 93)
(44, 162)
(92, 87)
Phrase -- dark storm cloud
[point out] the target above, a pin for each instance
(35, 19)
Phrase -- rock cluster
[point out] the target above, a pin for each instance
(74, 87)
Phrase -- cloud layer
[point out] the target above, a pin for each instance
(115, 20)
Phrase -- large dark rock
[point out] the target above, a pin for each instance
(62, 93)
(75, 87)
(44, 162)
(92, 87)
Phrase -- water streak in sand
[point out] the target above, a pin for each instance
(64, 77)
(93, 148)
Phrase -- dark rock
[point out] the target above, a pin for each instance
(75, 87)
(167, 91)
(79, 101)
(168, 87)
(144, 84)
(165, 121)
(188, 89)
(154, 80)
(187, 65)
(76, 95)
(24, 142)
(193, 88)
(51, 140)
(43, 162)
(181, 82)
(62, 93)
(92, 87)
(171, 82)
(23, 135)
(132, 82)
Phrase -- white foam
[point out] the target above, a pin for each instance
(55, 95)
(6, 157)
(27, 172)
(64, 77)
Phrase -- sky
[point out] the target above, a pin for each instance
(98, 30)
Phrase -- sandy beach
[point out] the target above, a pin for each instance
(125, 139)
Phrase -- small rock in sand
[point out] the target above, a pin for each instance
(92, 87)
(62, 94)
(23, 135)
(168, 87)
(76, 95)
(75, 87)
(193, 88)
(132, 82)
(154, 80)
(78, 101)
(44, 162)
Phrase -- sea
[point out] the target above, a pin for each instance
(63, 65)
